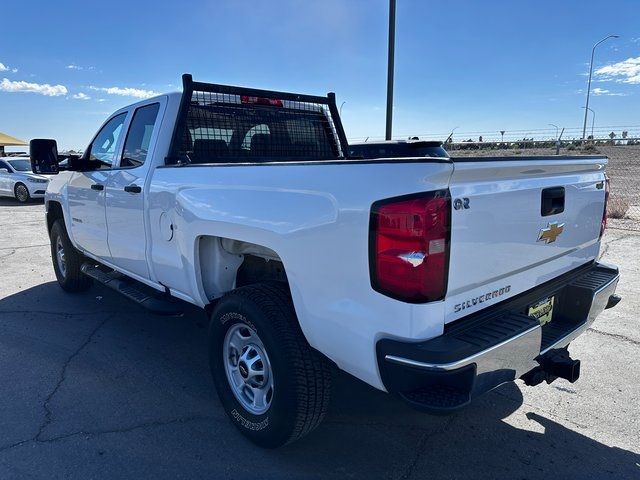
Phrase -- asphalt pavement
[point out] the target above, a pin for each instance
(93, 386)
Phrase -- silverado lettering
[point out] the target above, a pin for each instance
(482, 298)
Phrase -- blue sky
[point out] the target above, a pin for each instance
(482, 66)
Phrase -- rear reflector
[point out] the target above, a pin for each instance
(274, 102)
(409, 246)
(603, 224)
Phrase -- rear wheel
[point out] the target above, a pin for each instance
(272, 384)
(67, 260)
(21, 193)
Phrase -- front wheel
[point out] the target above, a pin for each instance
(21, 193)
(272, 384)
(67, 260)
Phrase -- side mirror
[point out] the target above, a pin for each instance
(44, 156)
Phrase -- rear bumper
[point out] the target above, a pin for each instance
(499, 344)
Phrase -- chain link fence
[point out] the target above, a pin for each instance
(624, 172)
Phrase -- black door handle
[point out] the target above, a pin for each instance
(97, 186)
(133, 189)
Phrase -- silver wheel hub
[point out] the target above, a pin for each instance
(248, 368)
(60, 257)
(21, 192)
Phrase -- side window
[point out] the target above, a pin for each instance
(136, 146)
(103, 148)
(4, 168)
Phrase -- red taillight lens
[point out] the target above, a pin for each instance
(603, 225)
(274, 102)
(410, 246)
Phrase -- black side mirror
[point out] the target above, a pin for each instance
(44, 156)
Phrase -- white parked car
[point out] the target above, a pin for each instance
(433, 278)
(18, 181)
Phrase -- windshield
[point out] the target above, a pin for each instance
(21, 165)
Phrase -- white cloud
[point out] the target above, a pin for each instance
(126, 92)
(627, 71)
(41, 88)
(81, 96)
(6, 68)
(73, 66)
(602, 91)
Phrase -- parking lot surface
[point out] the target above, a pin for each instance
(95, 387)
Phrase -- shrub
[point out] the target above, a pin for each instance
(590, 148)
(617, 207)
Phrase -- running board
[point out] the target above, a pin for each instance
(133, 290)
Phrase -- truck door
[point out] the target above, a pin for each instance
(86, 190)
(126, 192)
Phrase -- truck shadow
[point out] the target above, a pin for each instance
(12, 202)
(132, 379)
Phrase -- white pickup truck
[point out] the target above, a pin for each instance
(435, 279)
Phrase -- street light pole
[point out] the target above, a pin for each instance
(557, 128)
(342, 105)
(593, 120)
(390, 66)
(450, 137)
(593, 51)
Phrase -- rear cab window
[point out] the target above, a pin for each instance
(222, 128)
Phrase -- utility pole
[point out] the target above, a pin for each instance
(586, 108)
(390, 66)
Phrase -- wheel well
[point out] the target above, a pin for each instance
(226, 264)
(54, 212)
(257, 269)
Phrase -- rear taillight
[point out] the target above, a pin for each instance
(409, 246)
(603, 225)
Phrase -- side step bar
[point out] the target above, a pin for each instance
(133, 290)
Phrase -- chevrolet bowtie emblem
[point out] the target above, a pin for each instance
(549, 234)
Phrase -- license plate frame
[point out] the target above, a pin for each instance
(542, 310)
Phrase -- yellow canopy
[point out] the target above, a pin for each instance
(8, 140)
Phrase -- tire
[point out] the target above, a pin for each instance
(67, 268)
(301, 377)
(21, 192)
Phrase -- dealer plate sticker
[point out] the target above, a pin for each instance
(542, 311)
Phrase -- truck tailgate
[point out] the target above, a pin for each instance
(517, 223)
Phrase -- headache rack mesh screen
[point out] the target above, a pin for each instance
(221, 127)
